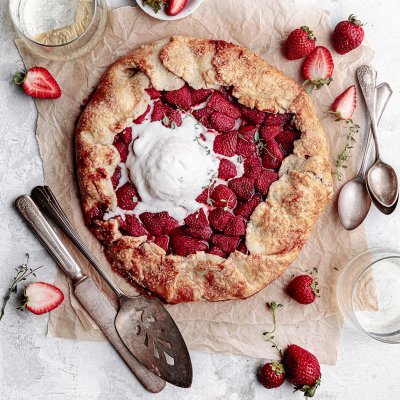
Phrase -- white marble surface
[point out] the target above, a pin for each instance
(35, 367)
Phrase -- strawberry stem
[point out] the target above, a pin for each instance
(19, 77)
(309, 32)
(353, 19)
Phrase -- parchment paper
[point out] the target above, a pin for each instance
(231, 326)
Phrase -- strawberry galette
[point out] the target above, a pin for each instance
(202, 169)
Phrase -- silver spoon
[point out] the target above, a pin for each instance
(354, 200)
(143, 324)
(381, 178)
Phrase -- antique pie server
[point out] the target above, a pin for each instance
(144, 325)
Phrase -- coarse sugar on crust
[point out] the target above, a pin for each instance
(278, 227)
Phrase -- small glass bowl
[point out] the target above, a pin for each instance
(368, 293)
(64, 43)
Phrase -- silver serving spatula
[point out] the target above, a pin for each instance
(144, 324)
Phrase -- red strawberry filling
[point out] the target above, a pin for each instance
(249, 145)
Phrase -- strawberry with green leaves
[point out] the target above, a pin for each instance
(300, 43)
(348, 35)
(272, 375)
(303, 289)
(344, 105)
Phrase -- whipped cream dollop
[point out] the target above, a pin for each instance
(171, 167)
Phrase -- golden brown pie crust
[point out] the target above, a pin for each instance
(278, 228)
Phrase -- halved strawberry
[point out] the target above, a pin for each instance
(186, 245)
(174, 7)
(276, 119)
(204, 195)
(203, 116)
(318, 68)
(221, 122)
(122, 148)
(243, 187)
(264, 181)
(223, 196)
(247, 131)
(158, 224)
(285, 140)
(198, 219)
(268, 132)
(127, 196)
(272, 156)
(246, 209)
(217, 251)
(38, 82)
(199, 233)
(92, 214)
(153, 93)
(116, 176)
(141, 118)
(236, 226)
(162, 241)
(159, 111)
(41, 297)
(245, 148)
(180, 98)
(199, 96)
(225, 144)
(252, 166)
(126, 135)
(228, 244)
(226, 169)
(132, 225)
(219, 103)
(219, 218)
(345, 104)
(253, 116)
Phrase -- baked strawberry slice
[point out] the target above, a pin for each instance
(153, 93)
(252, 166)
(162, 241)
(127, 196)
(203, 233)
(142, 117)
(174, 7)
(38, 82)
(227, 244)
(221, 122)
(245, 148)
(174, 117)
(286, 140)
(204, 196)
(226, 169)
(225, 144)
(223, 196)
(268, 132)
(247, 208)
(345, 104)
(92, 214)
(180, 98)
(199, 96)
(264, 181)
(160, 110)
(41, 297)
(132, 226)
(243, 187)
(158, 224)
(217, 251)
(235, 227)
(272, 155)
(116, 176)
(219, 218)
(276, 119)
(203, 116)
(186, 245)
(250, 115)
(198, 219)
(219, 103)
(318, 68)
(247, 131)
(122, 148)
(126, 135)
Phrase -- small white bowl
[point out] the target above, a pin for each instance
(187, 10)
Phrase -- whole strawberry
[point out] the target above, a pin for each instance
(272, 375)
(303, 289)
(300, 43)
(302, 369)
(348, 35)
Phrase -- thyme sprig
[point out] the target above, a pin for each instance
(23, 271)
(273, 307)
(345, 154)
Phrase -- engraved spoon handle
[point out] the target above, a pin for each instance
(367, 79)
(44, 197)
(45, 232)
